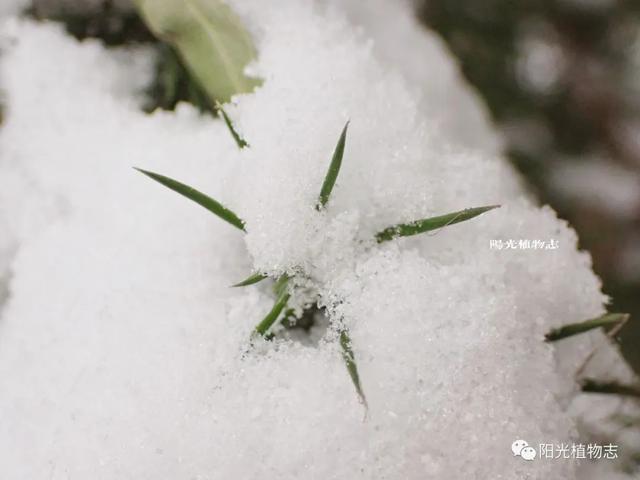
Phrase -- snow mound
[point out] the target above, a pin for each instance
(124, 354)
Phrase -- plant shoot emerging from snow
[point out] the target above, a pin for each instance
(282, 289)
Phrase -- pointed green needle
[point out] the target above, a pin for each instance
(200, 198)
(334, 170)
(251, 280)
(350, 362)
(432, 223)
(606, 320)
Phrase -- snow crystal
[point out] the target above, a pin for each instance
(124, 354)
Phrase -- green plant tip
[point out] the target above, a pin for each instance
(432, 223)
(200, 198)
(251, 280)
(282, 295)
(350, 363)
(606, 320)
(334, 170)
(236, 136)
(263, 327)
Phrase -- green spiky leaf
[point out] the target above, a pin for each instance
(428, 224)
(333, 171)
(283, 297)
(350, 362)
(200, 198)
(606, 320)
(236, 136)
(594, 386)
(251, 280)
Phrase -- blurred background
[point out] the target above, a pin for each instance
(562, 82)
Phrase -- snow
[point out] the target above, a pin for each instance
(124, 353)
(428, 68)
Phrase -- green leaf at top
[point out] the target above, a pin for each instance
(606, 320)
(333, 171)
(432, 223)
(236, 136)
(251, 280)
(350, 362)
(200, 198)
(210, 39)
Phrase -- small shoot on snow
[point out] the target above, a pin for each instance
(325, 192)
(251, 280)
(200, 198)
(334, 170)
(350, 362)
(282, 298)
(606, 320)
(281, 287)
(432, 223)
(241, 142)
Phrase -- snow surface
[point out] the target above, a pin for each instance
(124, 354)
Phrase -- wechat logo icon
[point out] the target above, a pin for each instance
(521, 448)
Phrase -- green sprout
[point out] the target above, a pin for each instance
(282, 293)
(282, 287)
(350, 361)
(236, 136)
(251, 280)
(198, 197)
(432, 223)
(606, 320)
(334, 169)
